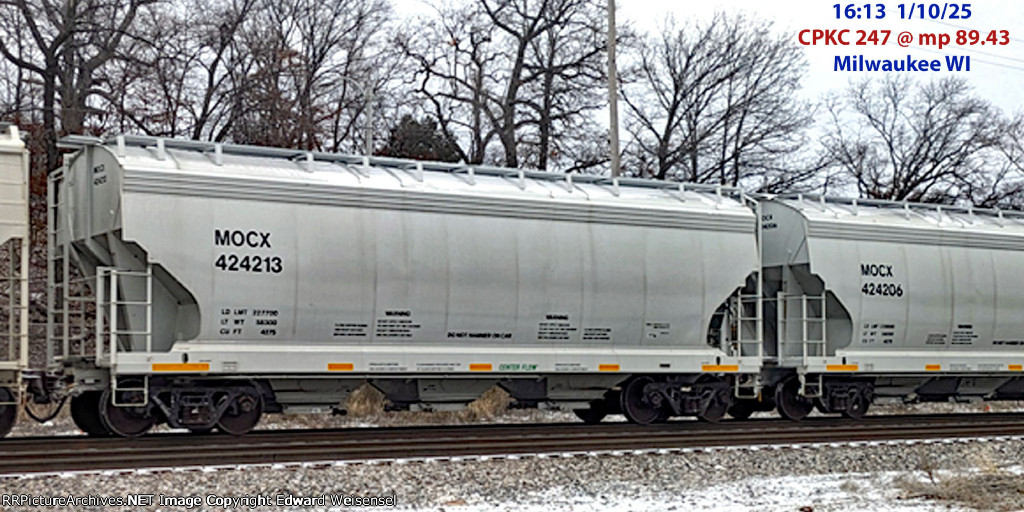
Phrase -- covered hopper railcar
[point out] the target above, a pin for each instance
(884, 299)
(205, 284)
(14, 260)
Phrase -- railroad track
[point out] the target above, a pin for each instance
(75, 453)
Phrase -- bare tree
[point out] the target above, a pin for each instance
(71, 40)
(896, 139)
(294, 73)
(565, 70)
(312, 59)
(173, 76)
(1002, 186)
(16, 90)
(515, 73)
(714, 103)
(455, 60)
(524, 24)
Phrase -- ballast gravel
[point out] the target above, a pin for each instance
(824, 477)
(831, 477)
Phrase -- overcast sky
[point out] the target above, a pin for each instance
(997, 72)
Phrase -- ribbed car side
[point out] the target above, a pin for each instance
(233, 281)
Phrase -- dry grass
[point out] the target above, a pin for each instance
(368, 403)
(984, 486)
(493, 403)
(365, 402)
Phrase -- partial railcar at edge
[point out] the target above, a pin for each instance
(886, 299)
(14, 260)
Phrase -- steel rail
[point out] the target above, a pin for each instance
(78, 453)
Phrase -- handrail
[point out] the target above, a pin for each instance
(306, 157)
(905, 205)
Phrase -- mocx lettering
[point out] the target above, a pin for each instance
(875, 270)
(239, 238)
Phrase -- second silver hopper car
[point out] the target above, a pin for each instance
(876, 298)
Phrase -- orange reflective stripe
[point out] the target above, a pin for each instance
(181, 367)
(720, 368)
(842, 367)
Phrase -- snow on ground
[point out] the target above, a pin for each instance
(887, 477)
(867, 492)
(950, 476)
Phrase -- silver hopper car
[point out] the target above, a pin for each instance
(231, 281)
(903, 301)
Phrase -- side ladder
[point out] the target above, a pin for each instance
(114, 310)
(69, 297)
(810, 313)
(14, 294)
(743, 330)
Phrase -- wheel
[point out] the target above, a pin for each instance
(715, 406)
(594, 414)
(664, 416)
(8, 411)
(242, 414)
(85, 412)
(858, 406)
(743, 408)
(125, 421)
(791, 405)
(637, 403)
